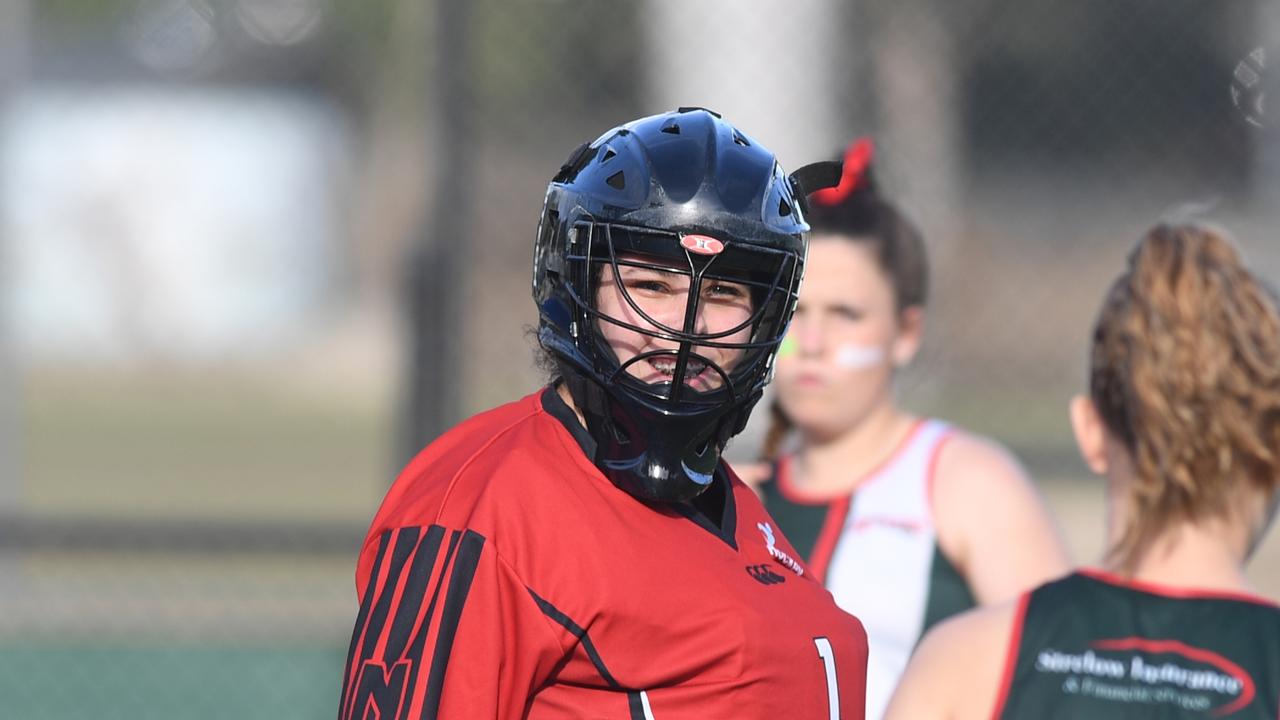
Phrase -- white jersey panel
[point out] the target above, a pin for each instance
(881, 567)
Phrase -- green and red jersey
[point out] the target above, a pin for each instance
(1096, 646)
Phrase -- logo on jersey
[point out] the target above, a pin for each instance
(380, 691)
(777, 554)
(909, 526)
(763, 575)
(1142, 671)
(702, 244)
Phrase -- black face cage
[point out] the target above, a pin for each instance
(771, 275)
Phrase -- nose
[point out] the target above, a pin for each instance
(701, 323)
(671, 311)
(811, 338)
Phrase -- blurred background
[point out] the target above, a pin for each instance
(255, 253)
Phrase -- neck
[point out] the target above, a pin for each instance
(836, 464)
(563, 391)
(1208, 555)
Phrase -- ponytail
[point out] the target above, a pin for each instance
(1185, 371)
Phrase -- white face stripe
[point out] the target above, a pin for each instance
(850, 356)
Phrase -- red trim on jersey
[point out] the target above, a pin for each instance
(1207, 657)
(1011, 655)
(932, 475)
(1175, 592)
(787, 490)
(825, 546)
(800, 497)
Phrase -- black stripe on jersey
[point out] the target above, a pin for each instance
(634, 703)
(406, 543)
(361, 617)
(409, 607)
(420, 640)
(464, 570)
(385, 684)
(576, 630)
(375, 604)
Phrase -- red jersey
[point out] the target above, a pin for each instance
(505, 577)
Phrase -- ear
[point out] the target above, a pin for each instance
(910, 333)
(1091, 434)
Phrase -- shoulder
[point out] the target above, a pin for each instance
(971, 458)
(992, 521)
(974, 470)
(987, 630)
(753, 474)
(959, 666)
(496, 458)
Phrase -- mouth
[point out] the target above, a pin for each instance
(808, 380)
(696, 371)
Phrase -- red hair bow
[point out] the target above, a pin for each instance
(857, 158)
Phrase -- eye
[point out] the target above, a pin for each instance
(650, 286)
(848, 312)
(726, 291)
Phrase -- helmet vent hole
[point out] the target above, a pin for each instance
(617, 181)
(739, 139)
(609, 154)
(784, 209)
(671, 129)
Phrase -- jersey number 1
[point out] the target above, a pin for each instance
(829, 664)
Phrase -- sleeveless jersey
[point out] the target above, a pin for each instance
(1095, 646)
(877, 552)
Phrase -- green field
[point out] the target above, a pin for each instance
(150, 633)
(166, 682)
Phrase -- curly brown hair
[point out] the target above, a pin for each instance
(1185, 371)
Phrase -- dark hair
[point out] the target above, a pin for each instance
(1185, 371)
(856, 212)
(544, 361)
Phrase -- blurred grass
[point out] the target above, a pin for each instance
(156, 634)
(165, 597)
(208, 445)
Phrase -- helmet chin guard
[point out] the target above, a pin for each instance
(652, 455)
(686, 208)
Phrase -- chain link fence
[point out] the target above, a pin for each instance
(180, 528)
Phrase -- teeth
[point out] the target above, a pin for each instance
(667, 365)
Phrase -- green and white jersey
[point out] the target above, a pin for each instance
(877, 552)
(1096, 646)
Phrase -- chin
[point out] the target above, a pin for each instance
(821, 416)
(810, 417)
